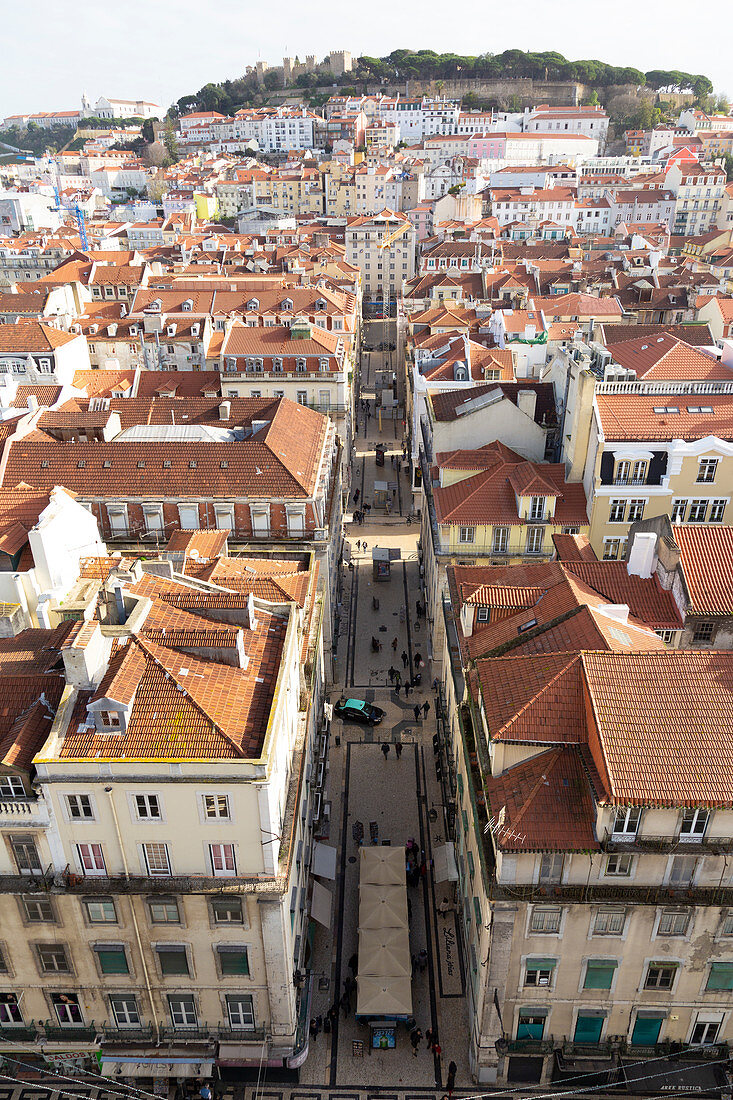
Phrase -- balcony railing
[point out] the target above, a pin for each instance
(629, 481)
(143, 1033)
(74, 1033)
(618, 1045)
(24, 1033)
(646, 842)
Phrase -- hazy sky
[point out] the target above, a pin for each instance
(160, 50)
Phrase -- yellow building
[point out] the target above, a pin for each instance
(669, 452)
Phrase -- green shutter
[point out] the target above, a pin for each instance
(173, 961)
(721, 976)
(599, 973)
(588, 1028)
(112, 960)
(234, 961)
(541, 964)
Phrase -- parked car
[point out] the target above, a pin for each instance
(357, 710)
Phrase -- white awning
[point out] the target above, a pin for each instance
(321, 904)
(156, 1067)
(324, 860)
(382, 906)
(384, 953)
(444, 863)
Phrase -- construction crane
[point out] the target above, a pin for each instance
(394, 236)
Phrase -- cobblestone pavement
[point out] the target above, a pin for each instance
(395, 793)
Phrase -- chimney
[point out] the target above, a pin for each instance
(527, 402)
(84, 655)
(467, 614)
(641, 559)
(32, 402)
(225, 410)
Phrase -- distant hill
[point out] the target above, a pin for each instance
(229, 95)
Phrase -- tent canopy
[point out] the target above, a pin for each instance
(384, 953)
(382, 906)
(444, 863)
(382, 866)
(383, 996)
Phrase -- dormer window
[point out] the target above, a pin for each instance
(536, 508)
(286, 304)
(321, 304)
(323, 364)
(187, 305)
(300, 366)
(277, 365)
(231, 363)
(111, 719)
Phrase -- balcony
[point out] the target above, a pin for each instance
(73, 1033)
(629, 481)
(111, 1033)
(23, 812)
(25, 1033)
(645, 842)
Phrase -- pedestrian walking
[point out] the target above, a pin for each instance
(426, 709)
(356, 496)
(416, 712)
(418, 659)
(394, 644)
(385, 749)
(391, 672)
(205, 1092)
(415, 1037)
(429, 1037)
(437, 1050)
(405, 659)
(398, 680)
(422, 960)
(444, 907)
(394, 494)
(353, 963)
(333, 1014)
(450, 1083)
(398, 749)
(409, 521)
(313, 1029)
(408, 689)
(346, 1005)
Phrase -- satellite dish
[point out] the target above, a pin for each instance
(194, 553)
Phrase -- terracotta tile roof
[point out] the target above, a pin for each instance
(198, 544)
(44, 395)
(571, 548)
(32, 336)
(185, 706)
(578, 305)
(664, 357)
(663, 726)
(707, 560)
(625, 418)
(645, 597)
(181, 383)
(543, 804)
(488, 498)
(695, 335)
(536, 699)
(281, 459)
(101, 383)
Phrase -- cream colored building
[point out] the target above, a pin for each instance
(156, 876)
(382, 246)
(594, 896)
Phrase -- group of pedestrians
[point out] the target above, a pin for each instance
(397, 749)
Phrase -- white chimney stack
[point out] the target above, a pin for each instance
(642, 555)
(527, 402)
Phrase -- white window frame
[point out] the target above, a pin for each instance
(222, 857)
(213, 799)
(463, 533)
(667, 917)
(145, 852)
(622, 858)
(149, 800)
(90, 857)
(545, 912)
(123, 1017)
(609, 913)
(183, 1022)
(77, 796)
(626, 816)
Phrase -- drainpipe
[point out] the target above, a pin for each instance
(153, 1013)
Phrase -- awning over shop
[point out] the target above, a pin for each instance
(445, 868)
(384, 952)
(324, 860)
(383, 996)
(674, 1075)
(321, 904)
(128, 1066)
(382, 866)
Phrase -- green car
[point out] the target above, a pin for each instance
(356, 710)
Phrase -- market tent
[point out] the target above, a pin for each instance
(382, 866)
(382, 906)
(383, 996)
(384, 953)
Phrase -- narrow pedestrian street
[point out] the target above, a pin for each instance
(397, 792)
